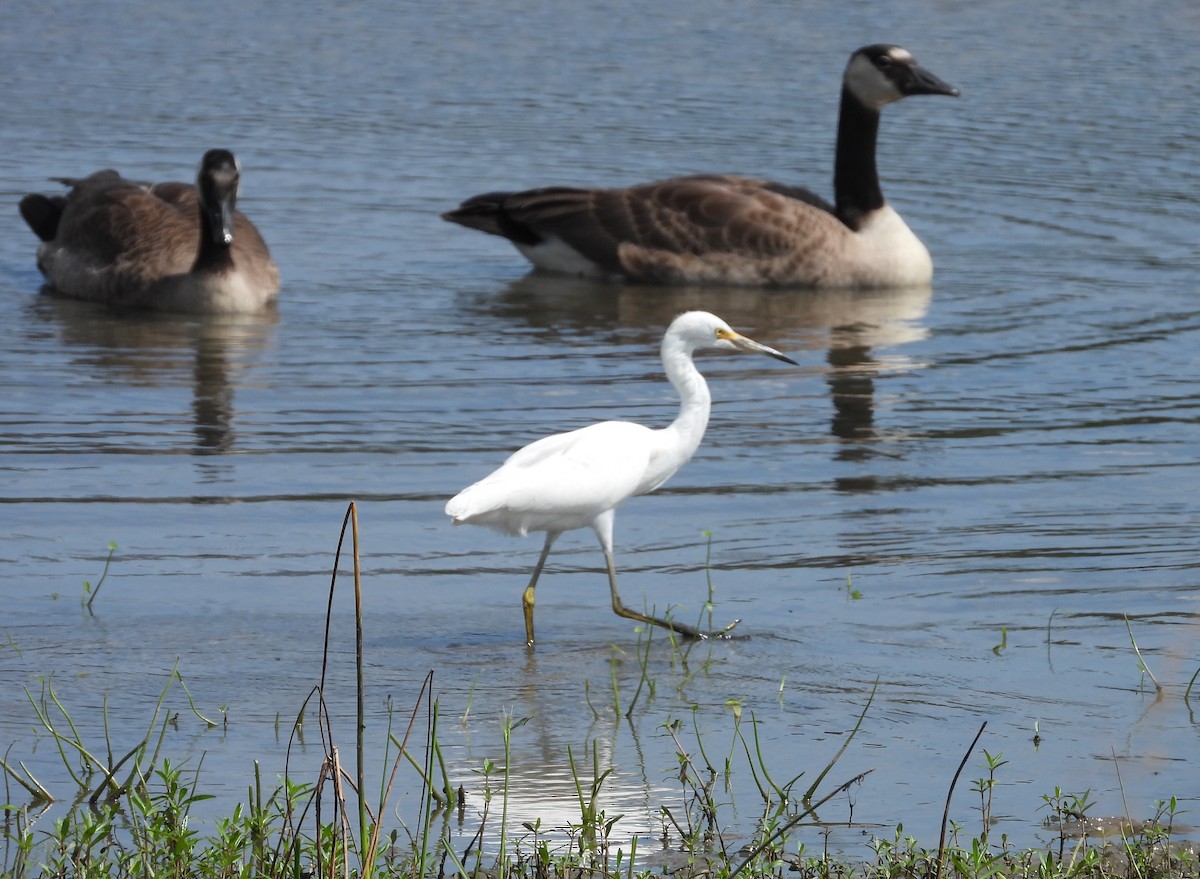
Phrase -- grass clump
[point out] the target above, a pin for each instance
(131, 810)
(147, 833)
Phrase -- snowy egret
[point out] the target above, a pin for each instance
(168, 246)
(732, 229)
(578, 479)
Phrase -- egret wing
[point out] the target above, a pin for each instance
(560, 482)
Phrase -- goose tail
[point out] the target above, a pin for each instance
(42, 213)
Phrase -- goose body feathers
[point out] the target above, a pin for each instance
(166, 246)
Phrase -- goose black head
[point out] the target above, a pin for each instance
(217, 183)
(879, 74)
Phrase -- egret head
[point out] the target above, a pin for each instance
(696, 330)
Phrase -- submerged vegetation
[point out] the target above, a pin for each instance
(127, 809)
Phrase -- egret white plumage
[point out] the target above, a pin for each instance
(578, 479)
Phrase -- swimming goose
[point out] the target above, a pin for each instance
(167, 246)
(731, 229)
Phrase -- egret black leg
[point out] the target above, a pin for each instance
(527, 596)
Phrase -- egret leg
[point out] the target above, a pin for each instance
(603, 527)
(527, 595)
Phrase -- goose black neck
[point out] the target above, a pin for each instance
(214, 254)
(855, 180)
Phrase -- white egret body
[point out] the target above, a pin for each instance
(578, 479)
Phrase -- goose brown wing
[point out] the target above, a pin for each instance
(696, 217)
(149, 231)
(732, 229)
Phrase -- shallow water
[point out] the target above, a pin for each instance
(1002, 469)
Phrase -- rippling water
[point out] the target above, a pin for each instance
(1002, 469)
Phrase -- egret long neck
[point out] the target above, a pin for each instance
(855, 180)
(687, 430)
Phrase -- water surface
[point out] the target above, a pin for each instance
(961, 494)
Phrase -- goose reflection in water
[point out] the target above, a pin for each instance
(851, 326)
(146, 349)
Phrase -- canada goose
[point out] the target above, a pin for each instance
(730, 229)
(168, 246)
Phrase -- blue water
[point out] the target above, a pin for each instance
(960, 493)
